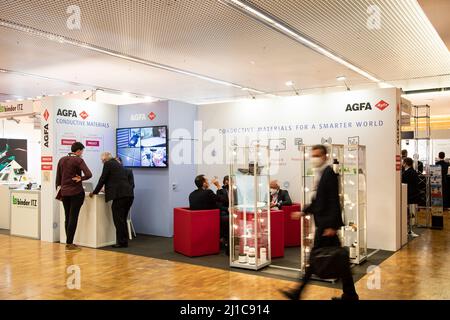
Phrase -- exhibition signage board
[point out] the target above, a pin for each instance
(64, 122)
(16, 109)
(370, 118)
(437, 199)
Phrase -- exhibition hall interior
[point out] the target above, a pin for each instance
(224, 150)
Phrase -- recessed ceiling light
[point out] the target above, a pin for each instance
(8, 100)
(341, 78)
(29, 98)
(289, 83)
(39, 97)
(244, 89)
(3, 71)
(20, 99)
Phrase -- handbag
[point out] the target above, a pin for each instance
(329, 262)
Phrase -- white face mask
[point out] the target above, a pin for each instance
(273, 191)
(316, 162)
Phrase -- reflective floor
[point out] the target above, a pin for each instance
(31, 269)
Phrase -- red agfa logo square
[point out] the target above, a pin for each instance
(152, 115)
(382, 105)
(84, 115)
(46, 115)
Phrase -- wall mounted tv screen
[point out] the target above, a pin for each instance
(144, 147)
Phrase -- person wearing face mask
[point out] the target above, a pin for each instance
(70, 173)
(204, 198)
(326, 209)
(119, 189)
(278, 197)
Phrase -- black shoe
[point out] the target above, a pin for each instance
(289, 294)
(346, 297)
(120, 246)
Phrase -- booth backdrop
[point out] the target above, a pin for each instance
(159, 190)
(332, 118)
(64, 121)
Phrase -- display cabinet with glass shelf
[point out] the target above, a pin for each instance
(250, 207)
(354, 232)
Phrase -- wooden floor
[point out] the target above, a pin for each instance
(31, 269)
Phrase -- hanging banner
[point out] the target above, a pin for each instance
(16, 109)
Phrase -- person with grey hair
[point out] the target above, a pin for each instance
(118, 189)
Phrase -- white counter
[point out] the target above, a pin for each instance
(95, 227)
(26, 213)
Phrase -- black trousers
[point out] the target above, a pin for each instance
(72, 206)
(120, 208)
(348, 286)
(224, 225)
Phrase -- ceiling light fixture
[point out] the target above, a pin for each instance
(3, 71)
(281, 27)
(291, 84)
(343, 78)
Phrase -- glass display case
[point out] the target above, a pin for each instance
(250, 207)
(335, 158)
(354, 233)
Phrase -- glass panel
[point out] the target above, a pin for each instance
(249, 207)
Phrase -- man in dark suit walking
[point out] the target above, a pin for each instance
(326, 209)
(118, 189)
(278, 197)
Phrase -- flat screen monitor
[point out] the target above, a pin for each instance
(143, 147)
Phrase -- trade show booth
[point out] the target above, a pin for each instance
(167, 143)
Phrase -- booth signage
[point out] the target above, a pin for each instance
(16, 109)
(364, 106)
(142, 116)
(46, 159)
(46, 167)
(24, 202)
(92, 143)
(67, 142)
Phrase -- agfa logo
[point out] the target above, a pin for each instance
(152, 116)
(46, 115)
(362, 106)
(84, 115)
(382, 105)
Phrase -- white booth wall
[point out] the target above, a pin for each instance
(314, 118)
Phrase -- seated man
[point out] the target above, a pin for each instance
(204, 198)
(278, 197)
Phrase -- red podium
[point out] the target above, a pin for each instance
(291, 226)
(196, 233)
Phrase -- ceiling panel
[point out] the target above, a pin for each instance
(206, 37)
(404, 46)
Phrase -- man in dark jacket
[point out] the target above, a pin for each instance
(71, 171)
(204, 198)
(445, 187)
(411, 178)
(326, 209)
(118, 189)
(278, 197)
